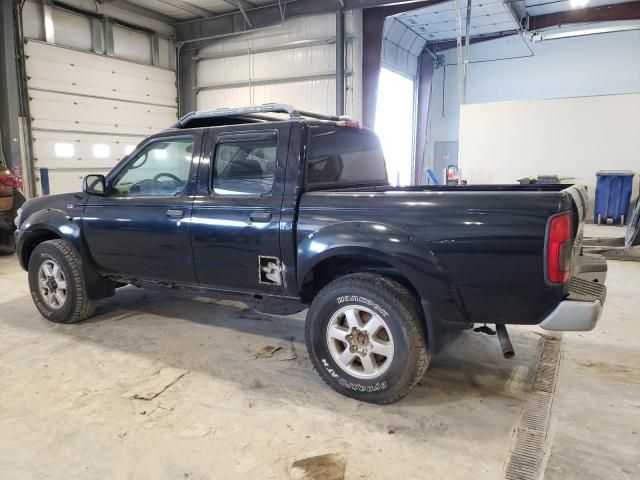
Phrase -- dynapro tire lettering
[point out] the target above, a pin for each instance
(356, 387)
(366, 301)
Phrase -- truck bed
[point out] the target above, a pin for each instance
(487, 240)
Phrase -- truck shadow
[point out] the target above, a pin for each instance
(223, 341)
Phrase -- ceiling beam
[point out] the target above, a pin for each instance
(188, 7)
(269, 15)
(447, 44)
(239, 5)
(603, 13)
(139, 10)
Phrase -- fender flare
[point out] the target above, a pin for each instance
(412, 257)
(65, 227)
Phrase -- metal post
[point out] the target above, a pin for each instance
(340, 62)
(187, 79)
(108, 38)
(155, 49)
(97, 38)
(466, 52)
(47, 13)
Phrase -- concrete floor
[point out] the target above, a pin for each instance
(64, 413)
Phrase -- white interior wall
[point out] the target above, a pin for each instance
(571, 137)
(582, 66)
(315, 95)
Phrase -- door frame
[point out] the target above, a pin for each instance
(205, 193)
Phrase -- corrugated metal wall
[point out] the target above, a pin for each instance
(237, 71)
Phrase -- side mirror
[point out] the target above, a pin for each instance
(453, 175)
(94, 185)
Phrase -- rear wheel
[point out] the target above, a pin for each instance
(365, 338)
(56, 283)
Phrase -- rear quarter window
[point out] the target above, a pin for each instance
(344, 156)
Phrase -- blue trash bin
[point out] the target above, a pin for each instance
(613, 195)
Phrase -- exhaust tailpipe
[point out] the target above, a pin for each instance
(505, 341)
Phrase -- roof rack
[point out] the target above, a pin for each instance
(257, 109)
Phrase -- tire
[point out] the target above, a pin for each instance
(371, 298)
(57, 260)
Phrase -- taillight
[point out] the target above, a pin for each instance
(559, 248)
(8, 180)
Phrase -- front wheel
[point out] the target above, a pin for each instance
(365, 338)
(56, 283)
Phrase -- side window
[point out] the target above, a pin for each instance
(344, 155)
(245, 166)
(162, 168)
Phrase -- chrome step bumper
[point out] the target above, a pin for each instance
(581, 309)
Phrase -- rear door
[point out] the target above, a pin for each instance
(141, 229)
(236, 214)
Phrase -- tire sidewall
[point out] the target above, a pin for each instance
(325, 305)
(42, 253)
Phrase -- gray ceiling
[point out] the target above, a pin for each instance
(437, 23)
(181, 10)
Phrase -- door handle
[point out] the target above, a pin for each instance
(260, 216)
(175, 213)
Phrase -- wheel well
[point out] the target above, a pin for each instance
(35, 239)
(331, 268)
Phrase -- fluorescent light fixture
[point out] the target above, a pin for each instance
(578, 3)
(101, 150)
(64, 150)
(129, 149)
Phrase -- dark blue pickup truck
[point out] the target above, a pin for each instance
(286, 210)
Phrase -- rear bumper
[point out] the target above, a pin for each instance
(574, 316)
(581, 310)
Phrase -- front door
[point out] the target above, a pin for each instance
(141, 228)
(236, 214)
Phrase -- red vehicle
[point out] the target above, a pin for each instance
(11, 199)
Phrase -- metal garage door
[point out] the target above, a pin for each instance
(88, 111)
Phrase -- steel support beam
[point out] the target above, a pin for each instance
(604, 13)
(47, 15)
(273, 48)
(238, 4)
(10, 131)
(447, 44)
(187, 79)
(155, 50)
(465, 65)
(109, 48)
(140, 10)
(269, 81)
(97, 37)
(189, 7)
(265, 16)
(340, 61)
